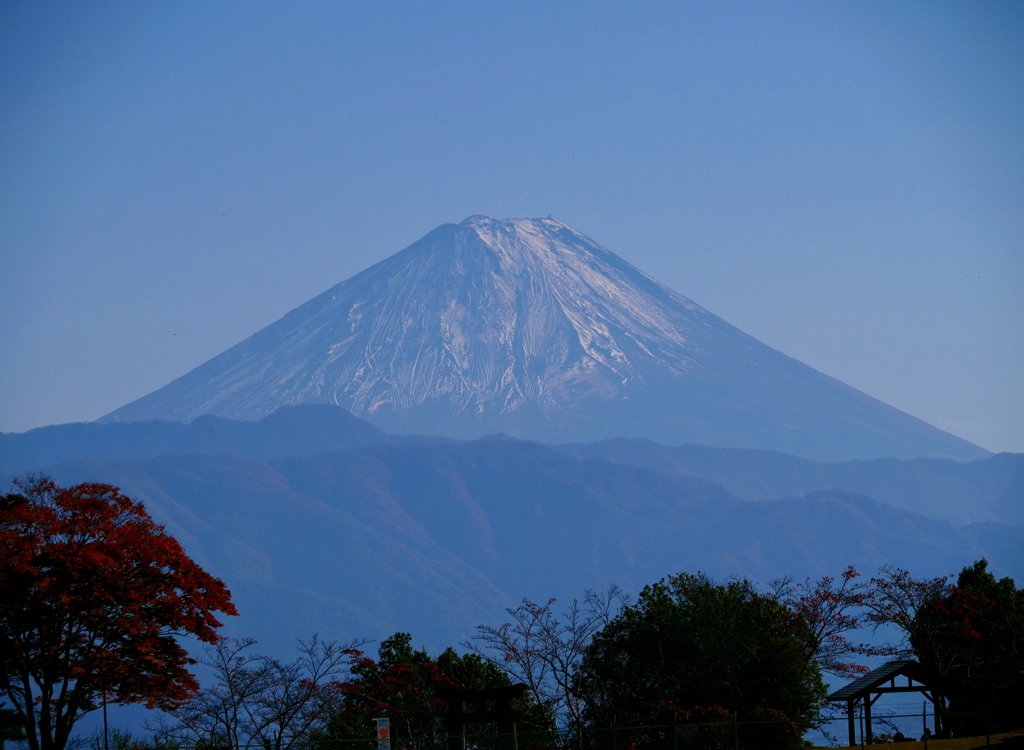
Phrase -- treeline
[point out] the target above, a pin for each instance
(689, 650)
(93, 595)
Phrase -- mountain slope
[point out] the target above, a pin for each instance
(989, 489)
(527, 327)
(435, 540)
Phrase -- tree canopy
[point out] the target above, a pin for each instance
(694, 650)
(92, 595)
(400, 684)
(973, 633)
(11, 726)
(719, 661)
(403, 684)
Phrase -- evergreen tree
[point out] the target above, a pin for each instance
(691, 650)
(973, 633)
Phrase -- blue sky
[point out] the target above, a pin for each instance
(842, 180)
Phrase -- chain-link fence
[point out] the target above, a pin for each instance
(916, 730)
(723, 735)
(719, 735)
(955, 730)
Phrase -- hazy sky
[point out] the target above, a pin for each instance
(842, 180)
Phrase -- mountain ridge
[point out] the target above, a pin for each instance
(987, 489)
(436, 539)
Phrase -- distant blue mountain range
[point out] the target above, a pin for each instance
(319, 522)
(669, 441)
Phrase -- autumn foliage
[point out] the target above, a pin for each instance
(92, 595)
(401, 684)
(692, 662)
(972, 632)
(411, 688)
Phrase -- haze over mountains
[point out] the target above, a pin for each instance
(320, 522)
(528, 327)
(671, 441)
(984, 490)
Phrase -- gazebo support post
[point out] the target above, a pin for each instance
(867, 719)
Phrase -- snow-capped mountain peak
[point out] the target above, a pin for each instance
(529, 327)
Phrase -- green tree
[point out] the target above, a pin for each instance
(11, 726)
(973, 633)
(471, 671)
(403, 684)
(400, 684)
(691, 650)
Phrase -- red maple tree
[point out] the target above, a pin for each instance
(827, 610)
(92, 595)
(401, 685)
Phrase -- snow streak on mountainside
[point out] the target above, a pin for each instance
(528, 327)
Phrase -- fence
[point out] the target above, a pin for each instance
(956, 730)
(724, 734)
(915, 729)
(719, 735)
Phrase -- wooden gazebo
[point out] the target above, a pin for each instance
(872, 686)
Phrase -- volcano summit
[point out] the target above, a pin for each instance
(528, 327)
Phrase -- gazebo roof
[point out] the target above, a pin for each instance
(872, 682)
